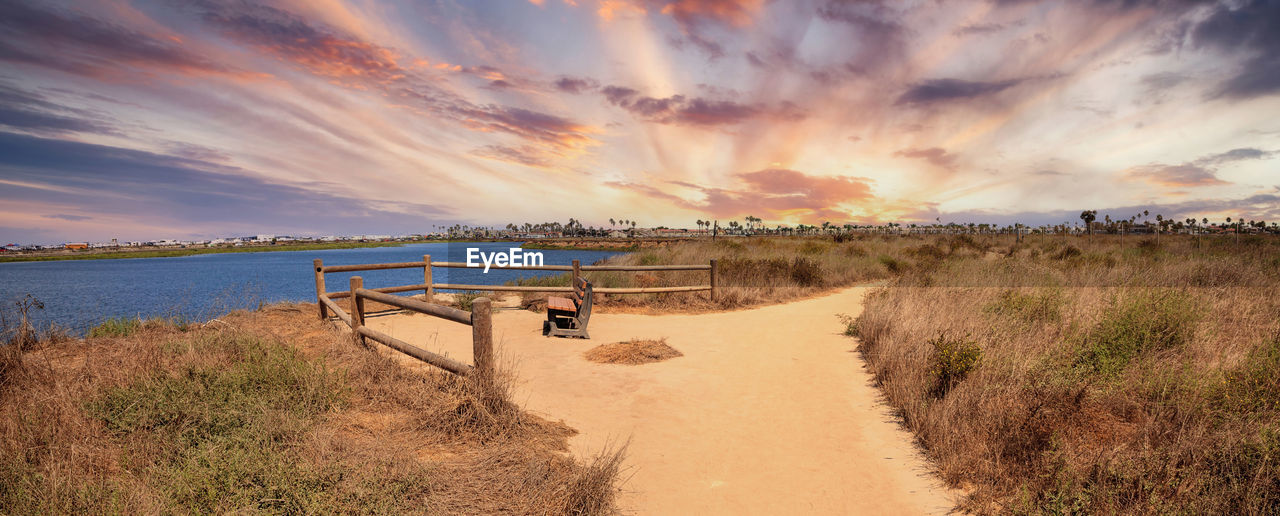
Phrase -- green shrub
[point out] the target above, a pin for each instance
(1148, 322)
(116, 327)
(649, 259)
(953, 360)
(894, 265)
(1029, 307)
(466, 298)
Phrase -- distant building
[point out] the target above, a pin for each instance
(76, 245)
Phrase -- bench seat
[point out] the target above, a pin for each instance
(567, 317)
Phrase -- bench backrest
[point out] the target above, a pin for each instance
(579, 290)
(584, 306)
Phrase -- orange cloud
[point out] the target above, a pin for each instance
(733, 12)
(608, 9)
(737, 13)
(320, 50)
(1175, 176)
(774, 194)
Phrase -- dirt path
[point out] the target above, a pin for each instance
(769, 411)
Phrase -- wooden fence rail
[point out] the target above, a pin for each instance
(480, 318)
(429, 288)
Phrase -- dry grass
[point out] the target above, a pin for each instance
(1102, 375)
(752, 271)
(632, 352)
(274, 411)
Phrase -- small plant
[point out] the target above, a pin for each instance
(850, 324)
(116, 327)
(1029, 307)
(465, 298)
(953, 360)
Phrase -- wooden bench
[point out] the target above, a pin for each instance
(567, 317)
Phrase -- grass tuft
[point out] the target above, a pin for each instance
(116, 327)
(632, 352)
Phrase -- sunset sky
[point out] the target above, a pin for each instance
(197, 118)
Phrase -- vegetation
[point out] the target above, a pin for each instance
(1097, 375)
(273, 411)
(116, 327)
(632, 352)
(752, 271)
(465, 298)
(1043, 374)
(190, 251)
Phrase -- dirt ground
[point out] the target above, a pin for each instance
(769, 410)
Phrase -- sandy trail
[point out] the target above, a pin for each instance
(770, 410)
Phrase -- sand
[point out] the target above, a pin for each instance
(769, 411)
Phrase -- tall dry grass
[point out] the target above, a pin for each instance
(1103, 375)
(274, 411)
(752, 271)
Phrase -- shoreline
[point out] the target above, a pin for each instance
(160, 252)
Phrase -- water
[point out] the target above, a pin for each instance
(81, 293)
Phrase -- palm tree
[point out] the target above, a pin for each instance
(1088, 216)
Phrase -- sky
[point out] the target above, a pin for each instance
(205, 118)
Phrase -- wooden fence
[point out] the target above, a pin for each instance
(480, 316)
(577, 269)
(480, 319)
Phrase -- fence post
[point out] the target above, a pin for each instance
(319, 265)
(713, 280)
(426, 277)
(482, 335)
(357, 310)
(577, 273)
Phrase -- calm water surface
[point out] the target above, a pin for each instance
(78, 294)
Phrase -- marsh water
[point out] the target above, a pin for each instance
(77, 294)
